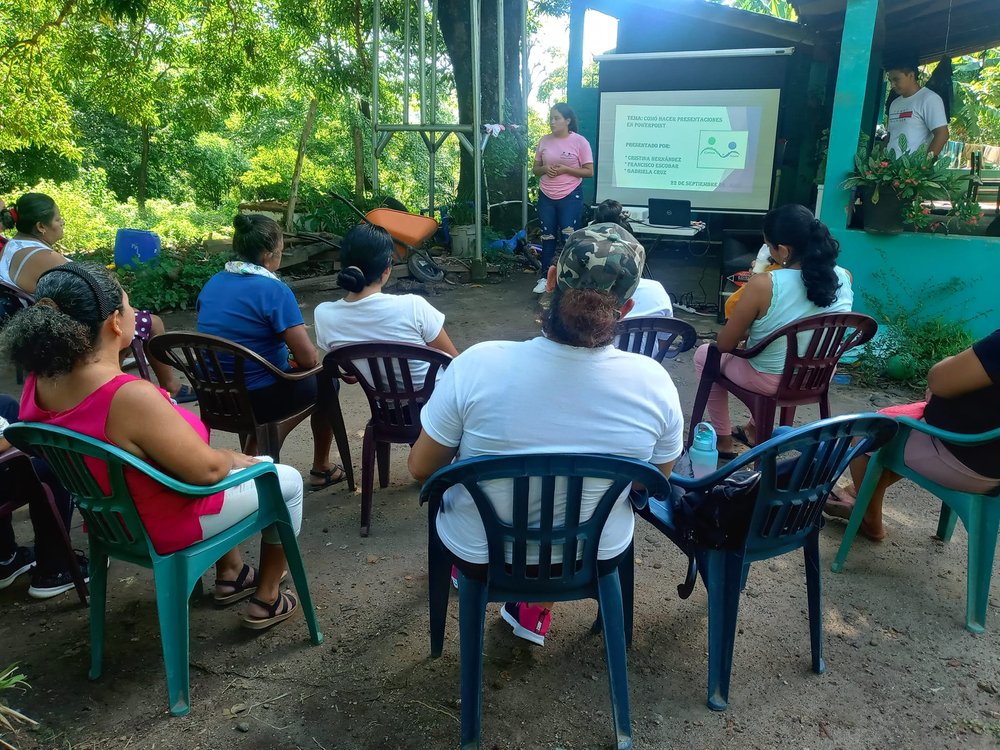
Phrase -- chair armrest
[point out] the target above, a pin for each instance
(197, 490)
(638, 498)
(295, 375)
(950, 437)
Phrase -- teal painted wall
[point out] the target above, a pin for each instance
(915, 262)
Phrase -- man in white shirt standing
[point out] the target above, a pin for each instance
(917, 113)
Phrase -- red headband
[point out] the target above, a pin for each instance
(13, 213)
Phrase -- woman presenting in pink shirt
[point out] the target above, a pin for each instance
(563, 158)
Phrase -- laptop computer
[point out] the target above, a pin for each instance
(665, 212)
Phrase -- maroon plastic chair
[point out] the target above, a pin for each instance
(394, 398)
(655, 336)
(19, 476)
(13, 298)
(809, 367)
(216, 369)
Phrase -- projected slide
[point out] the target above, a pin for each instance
(714, 148)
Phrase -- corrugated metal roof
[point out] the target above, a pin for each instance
(928, 28)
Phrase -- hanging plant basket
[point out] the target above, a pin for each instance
(884, 216)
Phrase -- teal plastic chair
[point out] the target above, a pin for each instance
(979, 513)
(115, 530)
(785, 515)
(518, 580)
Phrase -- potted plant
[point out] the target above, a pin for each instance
(896, 190)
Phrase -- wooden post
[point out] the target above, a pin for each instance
(303, 140)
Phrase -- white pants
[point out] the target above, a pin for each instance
(240, 501)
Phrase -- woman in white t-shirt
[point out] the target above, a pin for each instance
(368, 314)
(915, 112)
(596, 399)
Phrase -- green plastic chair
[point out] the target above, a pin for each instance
(115, 530)
(979, 513)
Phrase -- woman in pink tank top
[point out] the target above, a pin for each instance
(69, 343)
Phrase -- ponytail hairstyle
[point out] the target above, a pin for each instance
(63, 326)
(612, 212)
(567, 112)
(582, 317)
(255, 236)
(28, 211)
(365, 253)
(812, 246)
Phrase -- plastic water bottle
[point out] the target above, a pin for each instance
(704, 455)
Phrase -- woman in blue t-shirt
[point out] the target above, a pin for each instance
(248, 304)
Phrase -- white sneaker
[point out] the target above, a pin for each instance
(541, 286)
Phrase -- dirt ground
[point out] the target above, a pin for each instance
(901, 669)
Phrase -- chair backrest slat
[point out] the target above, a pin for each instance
(657, 337)
(216, 368)
(110, 515)
(558, 553)
(790, 496)
(385, 371)
(814, 347)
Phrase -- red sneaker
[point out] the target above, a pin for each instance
(454, 576)
(529, 621)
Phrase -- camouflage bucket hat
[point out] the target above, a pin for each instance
(604, 257)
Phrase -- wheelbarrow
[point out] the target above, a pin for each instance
(409, 232)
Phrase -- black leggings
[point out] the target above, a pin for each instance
(49, 551)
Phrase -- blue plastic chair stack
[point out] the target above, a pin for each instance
(787, 515)
(979, 513)
(515, 548)
(115, 530)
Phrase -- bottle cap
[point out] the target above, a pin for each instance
(704, 436)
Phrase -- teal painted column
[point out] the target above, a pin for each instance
(848, 106)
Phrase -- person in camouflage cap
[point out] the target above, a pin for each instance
(603, 257)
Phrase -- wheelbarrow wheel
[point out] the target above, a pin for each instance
(422, 268)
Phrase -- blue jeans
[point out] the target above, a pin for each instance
(558, 217)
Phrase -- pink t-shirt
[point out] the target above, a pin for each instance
(573, 151)
(171, 520)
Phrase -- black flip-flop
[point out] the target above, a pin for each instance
(740, 436)
(327, 475)
(286, 603)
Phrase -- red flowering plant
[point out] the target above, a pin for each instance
(915, 179)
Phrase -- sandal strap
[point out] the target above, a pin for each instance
(326, 473)
(240, 581)
(284, 598)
